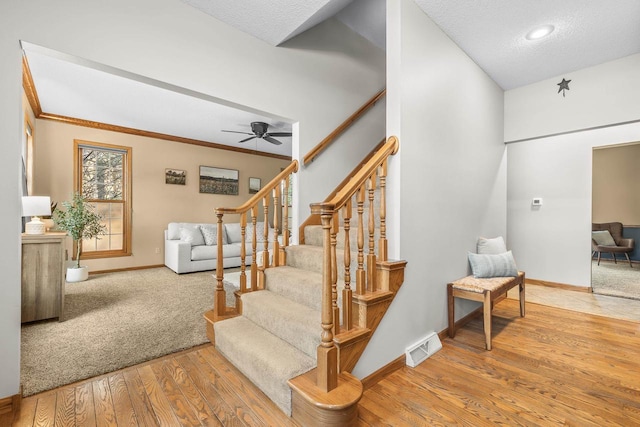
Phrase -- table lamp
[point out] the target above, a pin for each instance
(35, 206)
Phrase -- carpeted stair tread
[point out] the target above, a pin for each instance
(301, 286)
(308, 257)
(265, 359)
(297, 324)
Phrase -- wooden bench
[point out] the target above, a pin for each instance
(485, 291)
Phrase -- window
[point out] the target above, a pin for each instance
(27, 158)
(103, 176)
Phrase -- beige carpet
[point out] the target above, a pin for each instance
(618, 280)
(113, 321)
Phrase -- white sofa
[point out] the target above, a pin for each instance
(190, 247)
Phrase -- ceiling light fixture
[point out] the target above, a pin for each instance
(540, 32)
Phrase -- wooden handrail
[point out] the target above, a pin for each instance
(271, 192)
(264, 191)
(315, 219)
(315, 151)
(341, 198)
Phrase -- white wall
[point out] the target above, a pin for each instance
(597, 96)
(318, 79)
(452, 175)
(553, 242)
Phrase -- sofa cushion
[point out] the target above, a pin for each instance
(232, 230)
(259, 232)
(210, 234)
(234, 234)
(173, 229)
(192, 235)
(203, 252)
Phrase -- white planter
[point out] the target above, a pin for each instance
(77, 274)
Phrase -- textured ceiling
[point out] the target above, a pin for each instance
(273, 21)
(492, 33)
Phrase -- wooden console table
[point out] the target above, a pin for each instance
(43, 276)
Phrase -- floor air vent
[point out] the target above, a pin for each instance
(420, 351)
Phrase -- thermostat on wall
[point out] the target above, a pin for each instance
(537, 201)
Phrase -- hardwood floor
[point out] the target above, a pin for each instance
(553, 367)
(197, 387)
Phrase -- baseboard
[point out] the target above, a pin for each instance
(558, 285)
(10, 405)
(374, 378)
(116, 270)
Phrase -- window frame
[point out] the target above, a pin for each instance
(28, 154)
(78, 145)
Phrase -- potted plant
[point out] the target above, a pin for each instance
(80, 221)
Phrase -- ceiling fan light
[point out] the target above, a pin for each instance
(540, 32)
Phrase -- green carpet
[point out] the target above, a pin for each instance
(618, 280)
(113, 321)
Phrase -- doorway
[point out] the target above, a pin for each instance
(616, 198)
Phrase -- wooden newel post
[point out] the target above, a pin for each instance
(327, 372)
(220, 297)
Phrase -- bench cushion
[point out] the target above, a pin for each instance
(492, 284)
(488, 265)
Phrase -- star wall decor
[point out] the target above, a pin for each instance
(564, 85)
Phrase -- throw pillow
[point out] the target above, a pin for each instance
(493, 265)
(192, 235)
(491, 246)
(603, 238)
(210, 234)
(259, 232)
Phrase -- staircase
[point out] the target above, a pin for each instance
(301, 323)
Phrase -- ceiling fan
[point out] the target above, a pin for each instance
(260, 130)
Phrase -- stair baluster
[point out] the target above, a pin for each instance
(382, 242)
(334, 275)
(361, 282)
(276, 226)
(285, 217)
(243, 252)
(265, 241)
(371, 256)
(254, 249)
(347, 317)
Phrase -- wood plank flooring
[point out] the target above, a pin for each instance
(197, 387)
(553, 367)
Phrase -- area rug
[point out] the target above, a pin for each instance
(113, 321)
(618, 280)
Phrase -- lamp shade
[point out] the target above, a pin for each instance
(36, 205)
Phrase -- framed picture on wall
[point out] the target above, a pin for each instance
(175, 176)
(254, 185)
(215, 180)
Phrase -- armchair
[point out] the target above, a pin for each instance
(619, 245)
